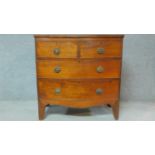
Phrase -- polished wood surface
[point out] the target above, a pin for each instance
(79, 69)
(68, 49)
(86, 48)
(78, 89)
(89, 47)
(77, 103)
(84, 71)
(78, 36)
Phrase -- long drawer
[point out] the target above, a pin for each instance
(60, 69)
(82, 89)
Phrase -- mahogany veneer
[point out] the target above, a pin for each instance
(78, 71)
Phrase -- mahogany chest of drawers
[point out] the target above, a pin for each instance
(78, 71)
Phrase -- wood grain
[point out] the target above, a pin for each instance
(40, 36)
(112, 48)
(68, 49)
(78, 89)
(79, 69)
(78, 79)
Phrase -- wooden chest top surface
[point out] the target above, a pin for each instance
(78, 36)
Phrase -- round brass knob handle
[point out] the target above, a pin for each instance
(57, 90)
(99, 69)
(56, 51)
(99, 91)
(100, 50)
(57, 69)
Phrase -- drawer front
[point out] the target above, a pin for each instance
(57, 49)
(70, 89)
(79, 69)
(101, 48)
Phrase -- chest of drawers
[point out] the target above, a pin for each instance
(78, 71)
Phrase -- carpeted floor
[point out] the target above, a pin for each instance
(27, 111)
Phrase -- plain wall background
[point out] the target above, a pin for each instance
(17, 68)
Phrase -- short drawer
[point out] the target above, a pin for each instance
(70, 89)
(60, 69)
(57, 49)
(100, 48)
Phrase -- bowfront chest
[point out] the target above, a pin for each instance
(78, 71)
